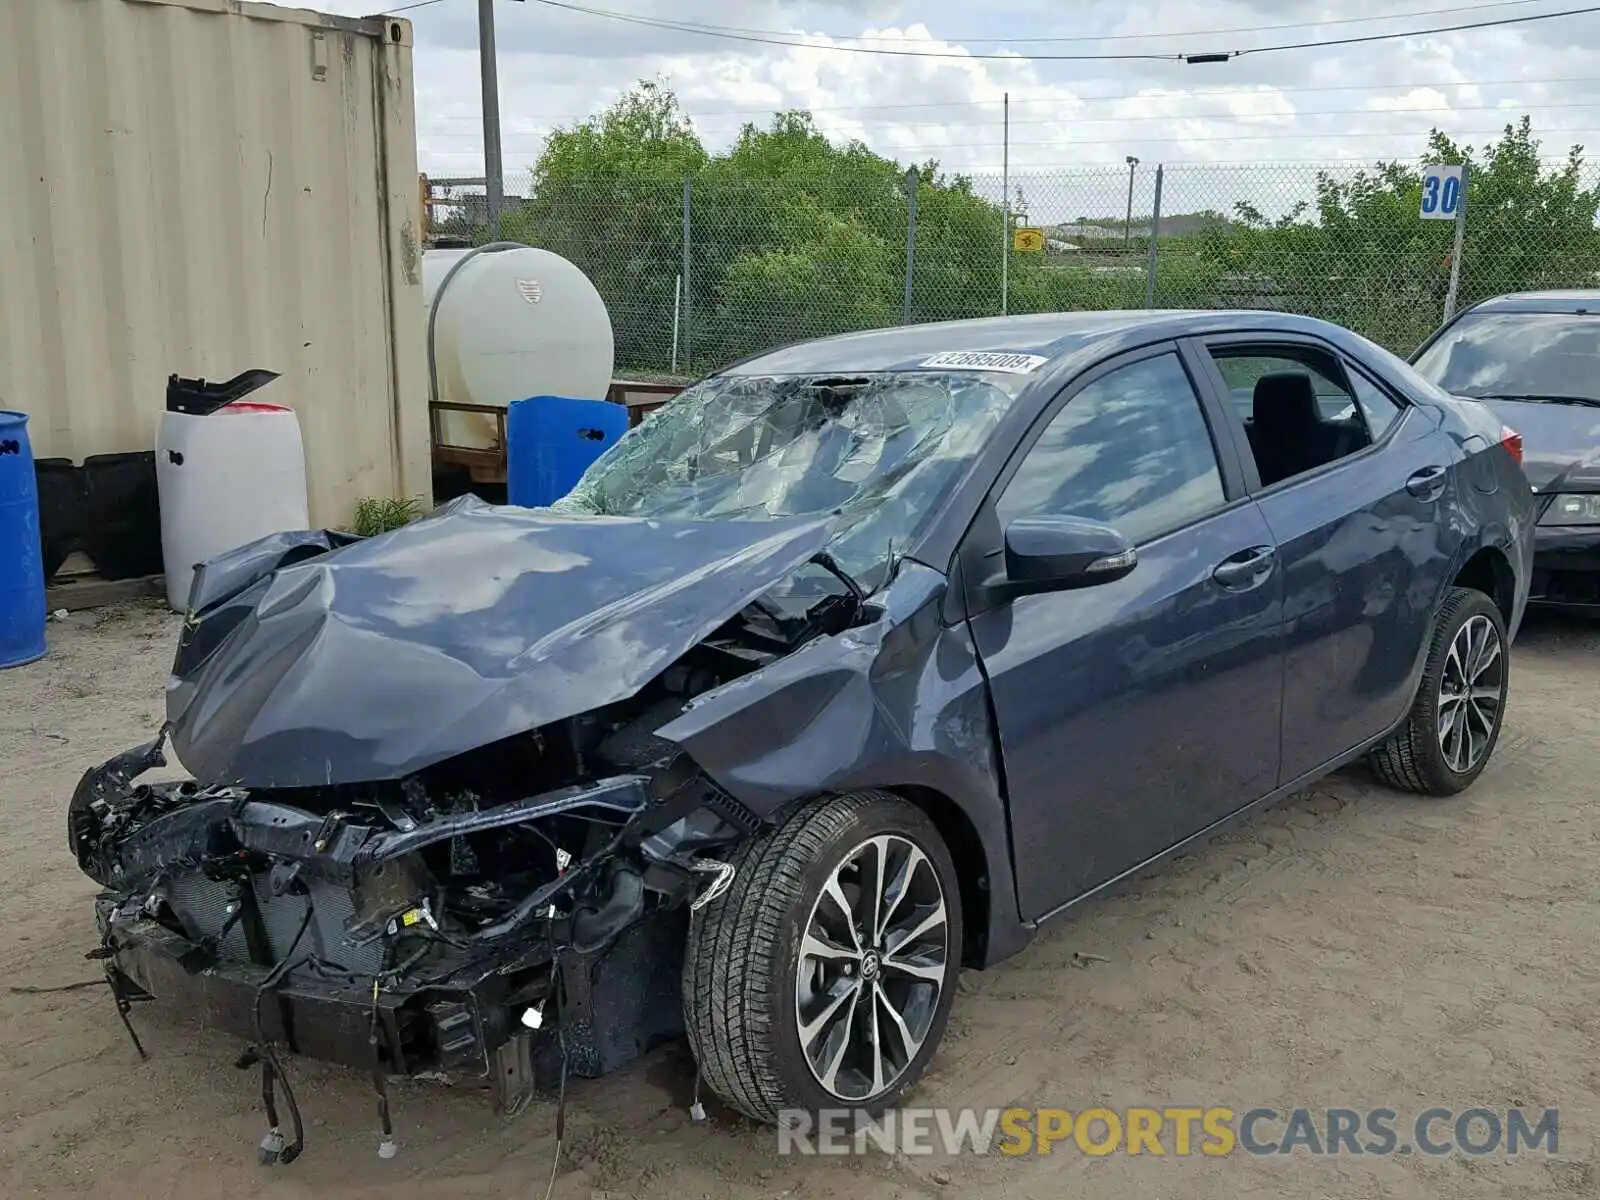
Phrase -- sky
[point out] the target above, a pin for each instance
(1323, 105)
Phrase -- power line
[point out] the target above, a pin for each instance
(1295, 114)
(1076, 170)
(1187, 93)
(726, 33)
(1300, 136)
(702, 26)
(1362, 39)
(395, 12)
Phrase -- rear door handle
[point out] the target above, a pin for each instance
(1428, 483)
(1246, 569)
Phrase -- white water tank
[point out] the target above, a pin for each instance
(512, 323)
(226, 479)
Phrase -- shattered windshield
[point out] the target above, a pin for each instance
(881, 450)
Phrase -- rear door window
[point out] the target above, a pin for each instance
(1299, 409)
(1240, 373)
(1375, 406)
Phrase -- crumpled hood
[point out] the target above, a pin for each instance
(311, 660)
(1560, 443)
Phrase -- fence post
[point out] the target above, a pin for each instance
(1155, 239)
(912, 182)
(1005, 213)
(1455, 253)
(688, 290)
(677, 312)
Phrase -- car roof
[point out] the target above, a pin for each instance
(1053, 337)
(1573, 300)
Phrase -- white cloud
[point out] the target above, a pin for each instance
(1360, 101)
(1423, 99)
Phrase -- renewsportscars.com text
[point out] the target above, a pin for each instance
(1177, 1131)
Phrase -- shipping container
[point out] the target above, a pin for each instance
(201, 187)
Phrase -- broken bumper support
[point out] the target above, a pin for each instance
(614, 1005)
(289, 920)
(450, 1028)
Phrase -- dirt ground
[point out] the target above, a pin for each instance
(1351, 948)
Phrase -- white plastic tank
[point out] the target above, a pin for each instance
(226, 479)
(510, 324)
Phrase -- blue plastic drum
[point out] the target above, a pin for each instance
(22, 611)
(550, 442)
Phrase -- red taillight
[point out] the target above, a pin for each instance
(1512, 441)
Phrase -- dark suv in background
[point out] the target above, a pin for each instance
(1534, 357)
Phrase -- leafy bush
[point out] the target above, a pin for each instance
(793, 236)
(375, 515)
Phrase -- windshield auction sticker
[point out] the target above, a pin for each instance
(986, 360)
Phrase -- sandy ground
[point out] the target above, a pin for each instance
(1351, 948)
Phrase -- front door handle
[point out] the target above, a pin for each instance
(1246, 569)
(1428, 483)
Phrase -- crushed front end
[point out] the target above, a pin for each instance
(416, 927)
(433, 827)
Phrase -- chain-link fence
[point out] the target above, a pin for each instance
(699, 272)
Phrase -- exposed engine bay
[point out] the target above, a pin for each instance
(428, 923)
(456, 789)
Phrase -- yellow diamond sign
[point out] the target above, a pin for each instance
(1029, 241)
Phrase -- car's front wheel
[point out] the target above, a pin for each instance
(1454, 722)
(823, 977)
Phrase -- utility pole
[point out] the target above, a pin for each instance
(1127, 224)
(489, 74)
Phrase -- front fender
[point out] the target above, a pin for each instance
(896, 704)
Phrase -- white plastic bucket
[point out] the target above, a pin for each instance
(226, 479)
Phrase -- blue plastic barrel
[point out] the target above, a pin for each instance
(550, 442)
(21, 558)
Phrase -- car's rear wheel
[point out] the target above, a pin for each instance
(1455, 719)
(823, 977)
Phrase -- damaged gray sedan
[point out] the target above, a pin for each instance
(850, 667)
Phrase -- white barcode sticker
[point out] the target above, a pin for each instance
(986, 360)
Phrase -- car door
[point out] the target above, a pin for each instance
(1363, 549)
(1137, 712)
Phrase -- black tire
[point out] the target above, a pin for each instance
(1412, 758)
(741, 972)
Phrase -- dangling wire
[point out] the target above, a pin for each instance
(124, 1005)
(561, 1127)
(273, 1148)
(114, 981)
(561, 1095)
(380, 1082)
(697, 1111)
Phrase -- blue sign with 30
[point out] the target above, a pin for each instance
(1441, 192)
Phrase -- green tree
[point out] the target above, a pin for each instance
(1358, 253)
(608, 196)
(794, 236)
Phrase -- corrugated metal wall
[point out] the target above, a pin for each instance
(202, 187)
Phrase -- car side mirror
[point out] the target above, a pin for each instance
(1058, 554)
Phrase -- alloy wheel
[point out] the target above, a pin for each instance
(1471, 693)
(873, 964)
